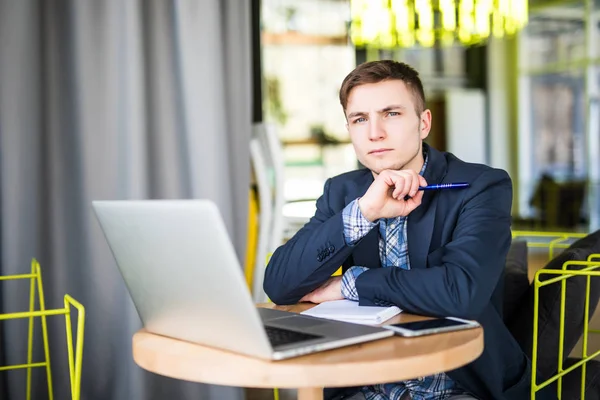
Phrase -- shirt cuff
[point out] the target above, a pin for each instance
(356, 226)
(349, 282)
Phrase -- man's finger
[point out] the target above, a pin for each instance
(399, 182)
(414, 202)
(414, 188)
(403, 185)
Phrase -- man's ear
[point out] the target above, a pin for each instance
(346, 118)
(425, 124)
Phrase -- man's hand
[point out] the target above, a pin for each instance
(385, 196)
(330, 290)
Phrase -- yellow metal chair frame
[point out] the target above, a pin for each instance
(590, 265)
(553, 241)
(252, 240)
(75, 360)
(558, 240)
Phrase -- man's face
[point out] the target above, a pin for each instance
(384, 127)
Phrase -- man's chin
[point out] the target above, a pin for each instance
(377, 168)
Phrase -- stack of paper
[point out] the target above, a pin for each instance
(350, 311)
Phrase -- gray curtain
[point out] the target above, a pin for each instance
(112, 99)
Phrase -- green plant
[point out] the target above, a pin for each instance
(273, 105)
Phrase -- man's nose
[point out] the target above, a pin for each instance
(376, 131)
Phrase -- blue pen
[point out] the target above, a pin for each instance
(439, 186)
(457, 185)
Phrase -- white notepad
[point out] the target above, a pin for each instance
(350, 311)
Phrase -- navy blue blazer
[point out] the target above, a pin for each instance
(457, 245)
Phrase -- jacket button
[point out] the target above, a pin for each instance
(319, 258)
(331, 249)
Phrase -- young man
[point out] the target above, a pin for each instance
(437, 253)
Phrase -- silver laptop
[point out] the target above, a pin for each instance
(185, 280)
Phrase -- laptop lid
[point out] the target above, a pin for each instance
(182, 272)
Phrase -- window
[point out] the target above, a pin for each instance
(305, 55)
(558, 95)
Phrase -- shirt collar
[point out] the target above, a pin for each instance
(426, 158)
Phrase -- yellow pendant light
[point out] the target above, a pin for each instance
(388, 24)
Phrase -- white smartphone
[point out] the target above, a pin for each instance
(431, 326)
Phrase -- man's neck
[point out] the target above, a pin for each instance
(416, 164)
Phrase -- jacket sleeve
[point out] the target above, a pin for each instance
(310, 258)
(462, 283)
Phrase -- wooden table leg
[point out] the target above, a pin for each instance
(310, 394)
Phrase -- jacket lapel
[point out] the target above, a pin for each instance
(421, 220)
(358, 187)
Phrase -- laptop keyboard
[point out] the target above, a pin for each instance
(280, 337)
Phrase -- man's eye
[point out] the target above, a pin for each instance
(393, 113)
(359, 120)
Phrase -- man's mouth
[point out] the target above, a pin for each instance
(379, 151)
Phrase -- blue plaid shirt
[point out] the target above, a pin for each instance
(393, 252)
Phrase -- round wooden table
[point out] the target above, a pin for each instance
(386, 360)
